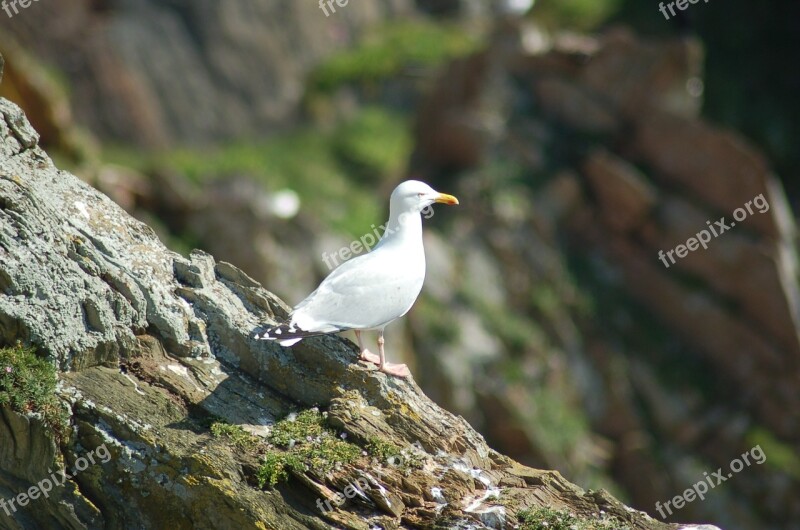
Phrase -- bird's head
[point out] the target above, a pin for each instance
(413, 196)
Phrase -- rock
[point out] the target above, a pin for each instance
(625, 197)
(739, 352)
(749, 272)
(716, 166)
(220, 72)
(641, 77)
(449, 125)
(576, 107)
(31, 86)
(601, 162)
(150, 345)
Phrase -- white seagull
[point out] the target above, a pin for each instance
(372, 290)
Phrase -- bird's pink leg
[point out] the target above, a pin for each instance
(399, 370)
(366, 355)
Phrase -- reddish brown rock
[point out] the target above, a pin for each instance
(638, 76)
(716, 166)
(575, 106)
(624, 195)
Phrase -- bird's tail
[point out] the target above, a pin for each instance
(286, 334)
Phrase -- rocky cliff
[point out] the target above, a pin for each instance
(170, 410)
(549, 320)
(157, 73)
(584, 163)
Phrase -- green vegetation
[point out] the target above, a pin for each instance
(296, 427)
(302, 442)
(561, 422)
(549, 519)
(274, 468)
(391, 454)
(778, 455)
(391, 48)
(28, 385)
(436, 318)
(375, 143)
(517, 332)
(335, 169)
(582, 15)
(381, 449)
(318, 164)
(305, 444)
(235, 434)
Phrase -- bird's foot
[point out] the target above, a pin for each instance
(398, 370)
(369, 357)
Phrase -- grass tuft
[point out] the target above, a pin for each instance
(381, 449)
(28, 385)
(305, 444)
(274, 468)
(235, 434)
(550, 519)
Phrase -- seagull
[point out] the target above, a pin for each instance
(374, 289)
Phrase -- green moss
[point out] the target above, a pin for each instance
(28, 385)
(549, 519)
(299, 443)
(307, 444)
(235, 434)
(391, 48)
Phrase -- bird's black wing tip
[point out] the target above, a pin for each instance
(283, 332)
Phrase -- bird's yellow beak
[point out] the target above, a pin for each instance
(446, 199)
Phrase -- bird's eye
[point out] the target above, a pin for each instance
(420, 194)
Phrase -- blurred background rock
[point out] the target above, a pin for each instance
(581, 136)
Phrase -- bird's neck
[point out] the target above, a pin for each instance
(403, 226)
